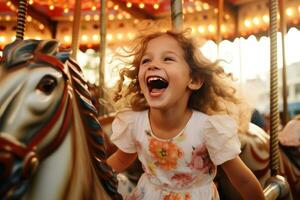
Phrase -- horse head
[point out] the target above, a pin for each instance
(51, 143)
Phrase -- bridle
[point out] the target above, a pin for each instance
(19, 161)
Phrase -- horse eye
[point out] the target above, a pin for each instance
(47, 84)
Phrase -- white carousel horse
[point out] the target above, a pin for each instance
(255, 154)
(51, 142)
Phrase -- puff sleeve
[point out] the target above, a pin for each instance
(221, 138)
(122, 131)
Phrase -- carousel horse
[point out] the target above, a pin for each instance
(255, 154)
(51, 143)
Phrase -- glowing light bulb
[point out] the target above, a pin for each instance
(87, 17)
(211, 28)
(2, 39)
(96, 17)
(206, 6)
(129, 5)
(266, 18)
(289, 12)
(141, 5)
(67, 39)
(201, 29)
(41, 26)
(256, 21)
(156, 6)
(29, 18)
(247, 23)
(95, 37)
(84, 38)
(109, 37)
(111, 17)
(120, 36)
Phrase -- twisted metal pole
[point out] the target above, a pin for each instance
(274, 110)
(176, 15)
(21, 19)
(284, 84)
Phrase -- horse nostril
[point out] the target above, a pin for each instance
(6, 163)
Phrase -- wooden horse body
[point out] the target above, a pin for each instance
(256, 155)
(51, 143)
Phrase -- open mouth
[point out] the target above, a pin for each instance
(156, 83)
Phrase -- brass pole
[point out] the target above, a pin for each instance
(76, 28)
(284, 84)
(274, 110)
(102, 52)
(21, 20)
(219, 23)
(176, 15)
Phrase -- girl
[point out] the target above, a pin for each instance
(179, 124)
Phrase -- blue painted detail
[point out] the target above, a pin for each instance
(87, 105)
(98, 138)
(92, 123)
(63, 56)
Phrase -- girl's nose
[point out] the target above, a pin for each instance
(153, 66)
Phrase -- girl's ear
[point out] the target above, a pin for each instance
(195, 84)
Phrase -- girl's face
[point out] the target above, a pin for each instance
(164, 75)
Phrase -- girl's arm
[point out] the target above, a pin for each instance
(121, 160)
(243, 179)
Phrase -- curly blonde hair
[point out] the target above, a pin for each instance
(216, 96)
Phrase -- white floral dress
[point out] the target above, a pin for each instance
(180, 168)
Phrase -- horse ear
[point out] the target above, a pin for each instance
(19, 51)
(48, 47)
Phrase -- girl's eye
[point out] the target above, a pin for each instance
(146, 60)
(169, 59)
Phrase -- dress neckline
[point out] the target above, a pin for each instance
(171, 138)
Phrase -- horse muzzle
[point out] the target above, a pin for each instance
(17, 166)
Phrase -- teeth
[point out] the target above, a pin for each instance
(154, 79)
(156, 82)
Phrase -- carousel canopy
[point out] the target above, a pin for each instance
(53, 18)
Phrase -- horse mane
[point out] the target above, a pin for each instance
(22, 52)
(92, 127)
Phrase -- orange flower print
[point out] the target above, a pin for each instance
(165, 153)
(177, 196)
(201, 160)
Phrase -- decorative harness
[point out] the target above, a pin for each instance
(19, 161)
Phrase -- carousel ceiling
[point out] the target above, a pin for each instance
(61, 9)
(53, 18)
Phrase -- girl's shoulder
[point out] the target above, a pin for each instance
(129, 116)
(215, 121)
